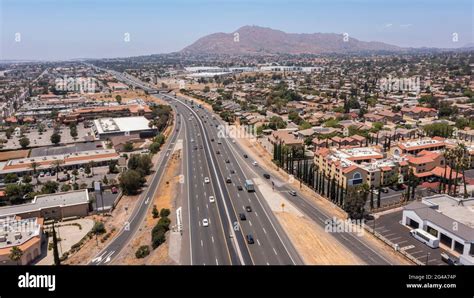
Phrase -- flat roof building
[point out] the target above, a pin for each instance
(449, 219)
(108, 127)
(57, 206)
(26, 234)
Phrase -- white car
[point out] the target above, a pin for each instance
(206, 180)
(211, 199)
(205, 222)
(254, 163)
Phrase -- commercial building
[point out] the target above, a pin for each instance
(415, 147)
(90, 113)
(449, 219)
(123, 126)
(75, 160)
(26, 234)
(52, 206)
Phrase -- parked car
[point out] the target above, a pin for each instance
(114, 189)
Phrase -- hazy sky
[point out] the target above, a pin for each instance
(64, 29)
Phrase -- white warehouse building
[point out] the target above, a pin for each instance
(109, 127)
(449, 219)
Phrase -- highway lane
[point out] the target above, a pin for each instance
(113, 249)
(208, 243)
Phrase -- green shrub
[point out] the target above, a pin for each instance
(142, 251)
(165, 212)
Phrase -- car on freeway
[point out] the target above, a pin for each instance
(218, 152)
(192, 141)
(227, 161)
(212, 140)
(292, 192)
(242, 216)
(212, 199)
(206, 180)
(266, 176)
(249, 238)
(239, 187)
(205, 222)
(232, 171)
(227, 180)
(254, 163)
(248, 208)
(246, 156)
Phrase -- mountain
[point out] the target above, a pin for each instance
(254, 40)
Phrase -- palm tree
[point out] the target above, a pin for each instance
(15, 254)
(57, 166)
(464, 164)
(91, 166)
(34, 166)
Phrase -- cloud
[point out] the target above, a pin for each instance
(406, 25)
(388, 25)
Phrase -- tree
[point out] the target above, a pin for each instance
(24, 142)
(113, 167)
(128, 147)
(15, 193)
(55, 138)
(57, 260)
(50, 187)
(142, 251)
(141, 163)
(165, 212)
(10, 178)
(26, 179)
(73, 130)
(356, 200)
(118, 98)
(105, 180)
(57, 166)
(34, 166)
(15, 254)
(98, 228)
(131, 181)
(65, 187)
(155, 212)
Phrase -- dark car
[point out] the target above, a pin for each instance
(292, 192)
(249, 238)
(267, 176)
(248, 208)
(227, 161)
(212, 140)
(239, 187)
(227, 180)
(246, 156)
(218, 152)
(232, 171)
(242, 216)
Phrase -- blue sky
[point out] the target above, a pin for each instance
(64, 29)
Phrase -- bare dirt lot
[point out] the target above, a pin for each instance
(164, 198)
(7, 155)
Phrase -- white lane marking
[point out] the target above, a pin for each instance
(250, 223)
(109, 257)
(275, 251)
(264, 230)
(147, 200)
(202, 243)
(258, 242)
(207, 206)
(256, 214)
(212, 238)
(217, 262)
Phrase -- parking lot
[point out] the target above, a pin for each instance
(44, 139)
(389, 226)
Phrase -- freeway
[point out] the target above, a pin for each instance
(271, 246)
(236, 153)
(129, 229)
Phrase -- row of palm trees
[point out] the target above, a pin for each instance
(457, 158)
(57, 166)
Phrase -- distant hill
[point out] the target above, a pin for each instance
(254, 40)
